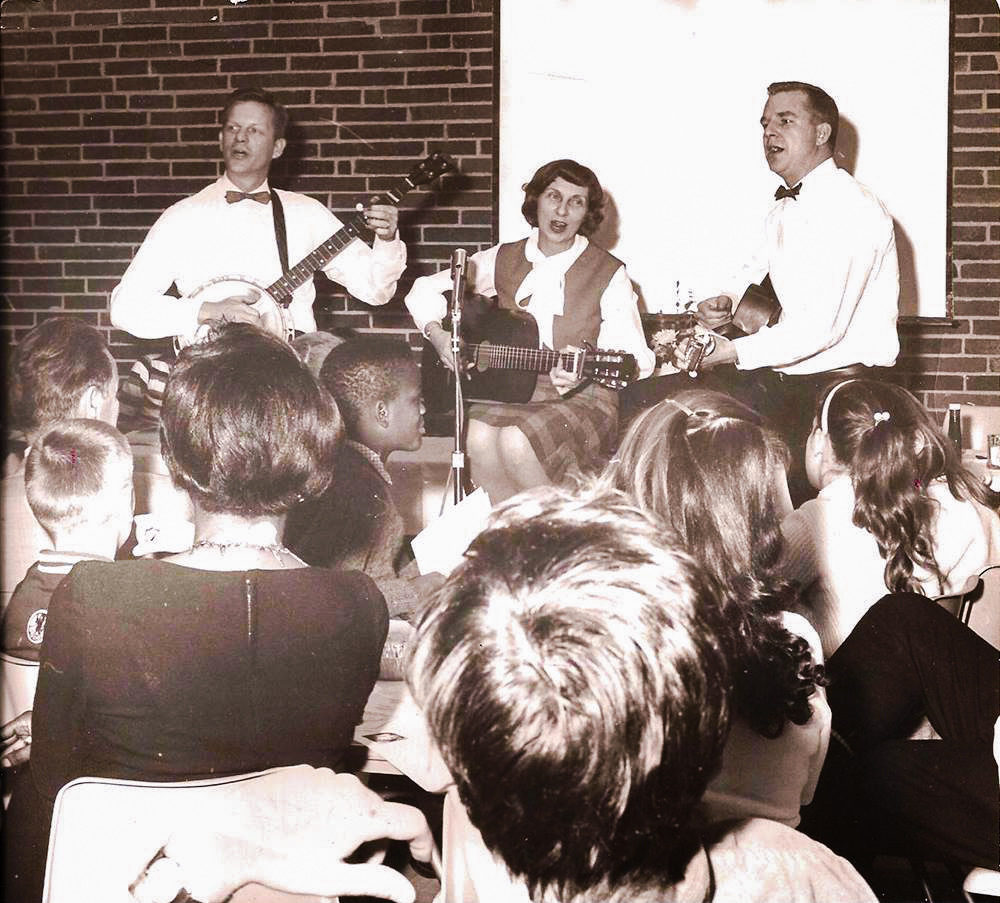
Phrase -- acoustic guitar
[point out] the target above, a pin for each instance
(502, 347)
(271, 301)
(759, 307)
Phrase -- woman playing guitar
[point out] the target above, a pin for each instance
(576, 293)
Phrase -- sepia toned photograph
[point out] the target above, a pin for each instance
(500, 451)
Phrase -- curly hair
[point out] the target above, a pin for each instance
(364, 370)
(709, 467)
(892, 460)
(574, 173)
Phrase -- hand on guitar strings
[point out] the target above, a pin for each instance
(564, 380)
(440, 338)
(716, 312)
(234, 309)
(382, 219)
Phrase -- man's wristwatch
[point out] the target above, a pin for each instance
(162, 881)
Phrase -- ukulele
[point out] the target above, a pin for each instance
(271, 301)
(502, 348)
(759, 307)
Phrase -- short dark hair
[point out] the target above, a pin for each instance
(51, 368)
(69, 469)
(279, 115)
(573, 678)
(363, 371)
(823, 106)
(574, 173)
(245, 427)
(723, 508)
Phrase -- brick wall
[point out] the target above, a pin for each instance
(961, 361)
(109, 115)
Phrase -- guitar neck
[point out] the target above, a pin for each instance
(510, 357)
(283, 287)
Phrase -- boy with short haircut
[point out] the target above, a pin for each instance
(355, 524)
(78, 477)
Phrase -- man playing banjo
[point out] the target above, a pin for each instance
(232, 229)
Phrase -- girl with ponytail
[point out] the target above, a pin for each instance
(896, 511)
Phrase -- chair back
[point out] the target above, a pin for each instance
(105, 831)
(19, 677)
(981, 606)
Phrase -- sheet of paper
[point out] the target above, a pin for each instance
(442, 543)
(395, 730)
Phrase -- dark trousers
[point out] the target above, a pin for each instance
(787, 402)
(908, 658)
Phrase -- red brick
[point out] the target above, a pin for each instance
(990, 251)
(454, 24)
(989, 326)
(215, 32)
(981, 307)
(983, 62)
(964, 121)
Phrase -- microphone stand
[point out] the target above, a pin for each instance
(457, 293)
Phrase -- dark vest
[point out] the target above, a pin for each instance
(586, 281)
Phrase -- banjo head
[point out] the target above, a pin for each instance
(274, 318)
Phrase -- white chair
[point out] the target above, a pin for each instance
(19, 677)
(980, 607)
(105, 831)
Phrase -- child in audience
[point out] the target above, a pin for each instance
(896, 509)
(78, 477)
(711, 469)
(355, 524)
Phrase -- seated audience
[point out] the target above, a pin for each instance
(896, 510)
(79, 486)
(715, 473)
(574, 673)
(355, 524)
(908, 658)
(233, 656)
(61, 369)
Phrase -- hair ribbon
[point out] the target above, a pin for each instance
(824, 417)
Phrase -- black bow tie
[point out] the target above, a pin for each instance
(261, 197)
(783, 192)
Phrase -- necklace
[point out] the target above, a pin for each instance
(274, 548)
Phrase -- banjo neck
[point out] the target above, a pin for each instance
(283, 287)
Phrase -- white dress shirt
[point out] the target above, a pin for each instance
(843, 572)
(831, 255)
(203, 237)
(621, 328)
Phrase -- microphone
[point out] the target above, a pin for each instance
(458, 280)
(457, 262)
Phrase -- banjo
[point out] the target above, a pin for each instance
(271, 301)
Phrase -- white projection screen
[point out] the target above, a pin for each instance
(662, 98)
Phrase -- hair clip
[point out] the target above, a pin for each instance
(677, 404)
(880, 417)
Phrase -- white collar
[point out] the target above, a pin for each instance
(561, 261)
